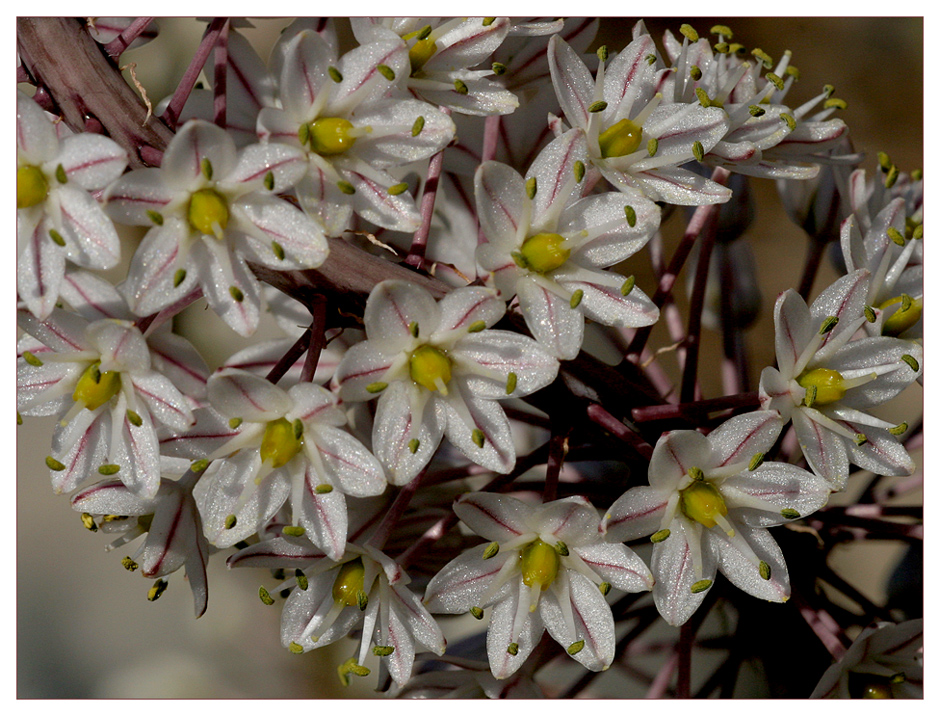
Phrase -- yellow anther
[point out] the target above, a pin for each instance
(429, 367)
(877, 691)
(95, 388)
(539, 563)
(208, 212)
(330, 135)
(828, 384)
(620, 139)
(421, 52)
(32, 186)
(280, 443)
(906, 316)
(544, 252)
(349, 583)
(702, 502)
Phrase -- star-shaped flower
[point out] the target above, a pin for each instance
(825, 381)
(707, 507)
(439, 371)
(546, 567)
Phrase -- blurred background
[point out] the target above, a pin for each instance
(84, 626)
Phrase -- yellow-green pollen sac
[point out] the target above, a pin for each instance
(701, 502)
(31, 186)
(421, 52)
(543, 253)
(620, 139)
(95, 388)
(828, 384)
(330, 135)
(906, 316)
(280, 443)
(539, 562)
(349, 583)
(208, 211)
(429, 367)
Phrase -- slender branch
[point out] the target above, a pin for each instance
(219, 80)
(317, 339)
(695, 410)
(557, 450)
(394, 513)
(607, 421)
(130, 33)
(419, 243)
(172, 112)
(814, 254)
(290, 357)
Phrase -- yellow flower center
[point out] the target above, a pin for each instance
(906, 316)
(208, 212)
(421, 52)
(31, 186)
(877, 691)
(349, 583)
(620, 139)
(95, 388)
(429, 367)
(543, 253)
(539, 564)
(280, 443)
(330, 135)
(701, 502)
(828, 384)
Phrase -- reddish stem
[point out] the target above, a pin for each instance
(290, 357)
(814, 254)
(607, 421)
(172, 112)
(419, 243)
(124, 40)
(696, 409)
(317, 339)
(221, 72)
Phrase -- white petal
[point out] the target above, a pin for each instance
(92, 161)
(130, 198)
(393, 143)
(240, 394)
(464, 581)
(150, 279)
(493, 516)
(138, 454)
(197, 141)
(362, 82)
(241, 316)
(823, 450)
(421, 624)
(844, 299)
(92, 297)
(554, 324)
(619, 565)
(593, 622)
(785, 487)
(636, 513)
(39, 271)
(111, 497)
(121, 345)
(36, 140)
(619, 240)
(165, 403)
(88, 436)
(675, 453)
(323, 515)
(63, 331)
(363, 365)
(792, 330)
(498, 452)
(602, 299)
(499, 353)
(501, 204)
(673, 569)
(739, 438)
(267, 220)
(574, 85)
(573, 520)
(285, 163)
(556, 185)
(348, 462)
(373, 201)
(391, 309)
(499, 635)
(465, 306)
(743, 573)
(179, 361)
(392, 433)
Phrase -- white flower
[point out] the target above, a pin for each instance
(636, 141)
(707, 508)
(548, 247)
(886, 661)
(825, 381)
(212, 209)
(335, 111)
(56, 216)
(439, 372)
(545, 568)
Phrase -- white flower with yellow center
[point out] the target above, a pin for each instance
(707, 507)
(437, 370)
(545, 567)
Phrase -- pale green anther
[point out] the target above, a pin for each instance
(756, 111)
(688, 31)
(346, 187)
(898, 429)
(89, 522)
(323, 489)
(234, 423)
(265, 596)
(652, 146)
(335, 75)
(722, 48)
(129, 564)
(417, 127)
(376, 387)
(350, 666)
(303, 134)
(917, 174)
(487, 21)
(561, 548)
(579, 171)
(158, 588)
(413, 329)
(602, 53)
(696, 473)
(576, 647)
(269, 181)
(660, 536)
(460, 87)
(362, 600)
(898, 678)
(19, 418)
(499, 68)
(511, 383)
(700, 586)
(206, 168)
(60, 175)
(604, 587)
(134, 418)
(396, 189)
(476, 326)
(519, 259)
(628, 285)
(911, 361)
(892, 177)
(695, 73)
(835, 102)
(424, 33)
(828, 324)
(478, 437)
(598, 106)
(576, 298)
(383, 650)
(702, 97)
(413, 445)
(793, 71)
(650, 59)
(298, 426)
(56, 237)
(896, 236)
(278, 250)
(630, 213)
(870, 314)
(775, 80)
(756, 461)
(766, 59)
(764, 570)
(513, 648)
(860, 439)
(918, 232)
(492, 549)
(293, 531)
(810, 397)
(722, 30)
(386, 72)
(236, 293)
(295, 648)
(531, 186)
(31, 359)
(906, 302)
(179, 277)
(788, 118)
(109, 469)
(828, 90)
(199, 465)
(155, 216)
(884, 161)
(736, 48)
(789, 513)
(301, 578)
(230, 522)
(476, 612)
(698, 151)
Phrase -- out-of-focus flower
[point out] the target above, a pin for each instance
(105, 29)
